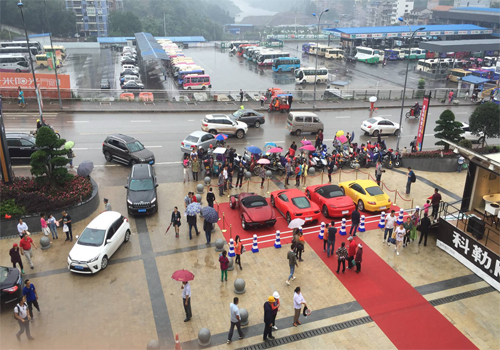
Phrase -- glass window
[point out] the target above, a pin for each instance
(283, 197)
(14, 143)
(92, 237)
(301, 202)
(135, 146)
(374, 191)
(299, 119)
(4, 273)
(111, 232)
(316, 120)
(193, 139)
(26, 143)
(141, 185)
(309, 119)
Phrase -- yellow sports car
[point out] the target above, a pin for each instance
(366, 195)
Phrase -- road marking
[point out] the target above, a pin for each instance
(140, 121)
(77, 121)
(153, 146)
(343, 117)
(82, 149)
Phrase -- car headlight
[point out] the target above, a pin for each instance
(142, 160)
(92, 260)
(129, 201)
(153, 200)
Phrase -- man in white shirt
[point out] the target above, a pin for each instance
(23, 318)
(186, 300)
(225, 175)
(235, 320)
(389, 226)
(22, 228)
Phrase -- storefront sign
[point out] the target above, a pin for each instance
(421, 33)
(358, 36)
(436, 33)
(488, 31)
(392, 35)
(25, 81)
(475, 32)
(422, 122)
(449, 32)
(347, 36)
(476, 257)
(463, 32)
(377, 35)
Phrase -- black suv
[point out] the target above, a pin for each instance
(141, 190)
(21, 146)
(11, 286)
(127, 150)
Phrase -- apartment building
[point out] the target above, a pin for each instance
(92, 15)
(381, 13)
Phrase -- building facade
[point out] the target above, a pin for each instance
(472, 3)
(386, 12)
(480, 16)
(92, 15)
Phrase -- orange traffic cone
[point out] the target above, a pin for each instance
(177, 342)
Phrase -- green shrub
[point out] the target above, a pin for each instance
(10, 207)
(465, 143)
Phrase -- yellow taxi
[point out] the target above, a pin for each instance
(366, 194)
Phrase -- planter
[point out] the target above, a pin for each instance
(442, 165)
(77, 212)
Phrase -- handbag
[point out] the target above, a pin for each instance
(243, 249)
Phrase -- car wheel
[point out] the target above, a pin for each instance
(298, 132)
(361, 206)
(127, 236)
(104, 262)
(376, 133)
(240, 134)
(213, 132)
(18, 70)
(189, 87)
(108, 156)
(325, 211)
(288, 218)
(257, 124)
(243, 224)
(308, 194)
(273, 203)
(204, 88)
(396, 133)
(133, 162)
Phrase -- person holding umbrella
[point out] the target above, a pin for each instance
(176, 221)
(192, 210)
(210, 217)
(185, 276)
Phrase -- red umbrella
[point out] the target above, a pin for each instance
(182, 276)
(308, 148)
(276, 150)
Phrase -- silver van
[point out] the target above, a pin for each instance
(131, 77)
(299, 122)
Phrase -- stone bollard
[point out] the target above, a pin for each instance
(204, 337)
(311, 171)
(230, 266)
(198, 199)
(207, 180)
(219, 245)
(239, 286)
(153, 345)
(244, 317)
(45, 242)
(199, 188)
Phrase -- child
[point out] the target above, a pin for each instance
(224, 264)
(426, 207)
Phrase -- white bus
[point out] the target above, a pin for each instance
(20, 50)
(306, 75)
(369, 55)
(11, 62)
(266, 58)
(23, 44)
(430, 65)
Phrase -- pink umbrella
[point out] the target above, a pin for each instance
(342, 139)
(308, 148)
(306, 142)
(263, 161)
(276, 150)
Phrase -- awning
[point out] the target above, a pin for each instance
(149, 48)
(472, 79)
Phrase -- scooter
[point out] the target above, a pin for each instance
(412, 113)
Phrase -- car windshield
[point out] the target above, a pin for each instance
(238, 113)
(371, 121)
(301, 202)
(91, 236)
(135, 146)
(332, 192)
(254, 202)
(4, 272)
(141, 185)
(374, 191)
(192, 138)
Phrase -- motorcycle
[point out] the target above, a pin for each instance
(398, 161)
(50, 126)
(412, 113)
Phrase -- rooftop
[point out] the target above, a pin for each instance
(480, 9)
(404, 29)
(460, 45)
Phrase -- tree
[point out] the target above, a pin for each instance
(124, 23)
(48, 164)
(485, 119)
(448, 129)
(421, 88)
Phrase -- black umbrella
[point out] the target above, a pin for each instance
(85, 168)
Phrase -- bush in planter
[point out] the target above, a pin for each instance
(431, 154)
(9, 207)
(421, 88)
(447, 128)
(465, 143)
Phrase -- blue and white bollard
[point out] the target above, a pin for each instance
(300, 229)
(361, 227)
(322, 231)
(381, 224)
(400, 219)
(255, 247)
(231, 252)
(277, 242)
(342, 228)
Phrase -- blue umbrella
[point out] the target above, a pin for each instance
(272, 144)
(254, 150)
(193, 209)
(210, 214)
(221, 137)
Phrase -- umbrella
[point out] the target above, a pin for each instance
(210, 214)
(306, 142)
(220, 137)
(183, 276)
(85, 168)
(254, 150)
(340, 133)
(193, 209)
(272, 144)
(69, 145)
(296, 223)
(276, 150)
(342, 138)
(263, 161)
(308, 148)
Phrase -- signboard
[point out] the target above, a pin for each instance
(377, 35)
(463, 32)
(421, 33)
(344, 35)
(476, 257)
(436, 33)
(448, 32)
(488, 31)
(392, 35)
(358, 36)
(475, 32)
(25, 81)
(422, 122)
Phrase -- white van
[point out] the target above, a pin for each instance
(130, 66)
(299, 122)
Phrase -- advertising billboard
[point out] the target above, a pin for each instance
(422, 122)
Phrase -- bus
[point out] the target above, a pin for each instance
(334, 53)
(56, 48)
(306, 48)
(494, 76)
(256, 53)
(286, 64)
(43, 61)
(12, 62)
(266, 58)
(368, 55)
(242, 48)
(306, 75)
(185, 67)
(455, 75)
(251, 51)
(393, 54)
(235, 44)
(414, 53)
(430, 66)
(191, 71)
(19, 50)
(22, 44)
(196, 82)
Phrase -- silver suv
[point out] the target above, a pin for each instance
(222, 124)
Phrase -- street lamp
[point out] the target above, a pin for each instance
(20, 5)
(317, 47)
(401, 19)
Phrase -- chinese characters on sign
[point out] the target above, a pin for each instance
(25, 81)
(422, 122)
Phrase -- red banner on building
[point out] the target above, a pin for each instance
(423, 121)
(25, 81)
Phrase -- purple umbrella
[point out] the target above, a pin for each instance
(308, 148)
(306, 142)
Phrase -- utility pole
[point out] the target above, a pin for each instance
(52, 48)
(164, 25)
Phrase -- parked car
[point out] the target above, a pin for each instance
(299, 122)
(198, 139)
(366, 194)
(249, 117)
(332, 201)
(126, 149)
(11, 286)
(141, 190)
(222, 124)
(253, 210)
(132, 85)
(293, 204)
(105, 84)
(21, 145)
(129, 72)
(128, 60)
(378, 125)
(468, 135)
(98, 242)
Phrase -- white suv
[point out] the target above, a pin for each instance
(222, 124)
(469, 136)
(98, 242)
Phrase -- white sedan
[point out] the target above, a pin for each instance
(98, 242)
(468, 135)
(378, 125)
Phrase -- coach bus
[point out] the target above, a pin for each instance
(12, 62)
(286, 64)
(266, 58)
(306, 75)
(369, 55)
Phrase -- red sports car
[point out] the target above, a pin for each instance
(253, 210)
(293, 204)
(332, 201)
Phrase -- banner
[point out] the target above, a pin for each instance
(25, 81)
(50, 60)
(422, 122)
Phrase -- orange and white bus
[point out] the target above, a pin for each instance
(196, 82)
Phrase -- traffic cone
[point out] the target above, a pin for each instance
(231, 248)
(322, 231)
(361, 227)
(255, 247)
(277, 242)
(400, 219)
(342, 228)
(177, 342)
(381, 224)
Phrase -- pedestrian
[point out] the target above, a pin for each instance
(238, 249)
(300, 246)
(294, 147)
(208, 227)
(20, 97)
(107, 206)
(325, 237)
(288, 172)
(460, 166)
(220, 183)
(355, 218)
(22, 228)
(378, 171)
(305, 167)
(298, 173)
(225, 175)
(427, 206)
(188, 200)
(240, 174)
(410, 178)
(192, 222)
(415, 220)
(276, 308)
(210, 198)
(29, 291)
(435, 202)
(25, 246)
(290, 100)
(262, 99)
(15, 257)
(23, 318)
(176, 221)
(342, 254)
(298, 300)
(330, 245)
(352, 252)
(186, 300)
(224, 265)
(268, 318)
(66, 219)
(262, 174)
(407, 226)
(359, 258)
(51, 221)
(400, 235)
(234, 312)
(292, 262)
(331, 166)
(185, 165)
(70, 154)
(425, 225)
(450, 97)
(195, 167)
(230, 169)
(241, 95)
(389, 227)
(43, 224)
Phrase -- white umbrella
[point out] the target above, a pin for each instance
(296, 223)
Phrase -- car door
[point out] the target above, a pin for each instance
(282, 203)
(14, 147)
(112, 240)
(390, 128)
(27, 148)
(120, 150)
(228, 126)
(357, 191)
(308, 124)
(318, 125)
(316, 195)
(119, 236)
(207, 140)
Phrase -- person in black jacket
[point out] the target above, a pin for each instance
(240, 174)
(268, 318)
(176, 221)
(210, 197)
(425, 225)
(207, 227)
(355, 221)
(191, 219)
(331, 165)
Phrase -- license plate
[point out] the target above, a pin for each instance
(150, 162)
(78, 267)
(345, 211)
(308, 219)
(142, 210)
(383, 207)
